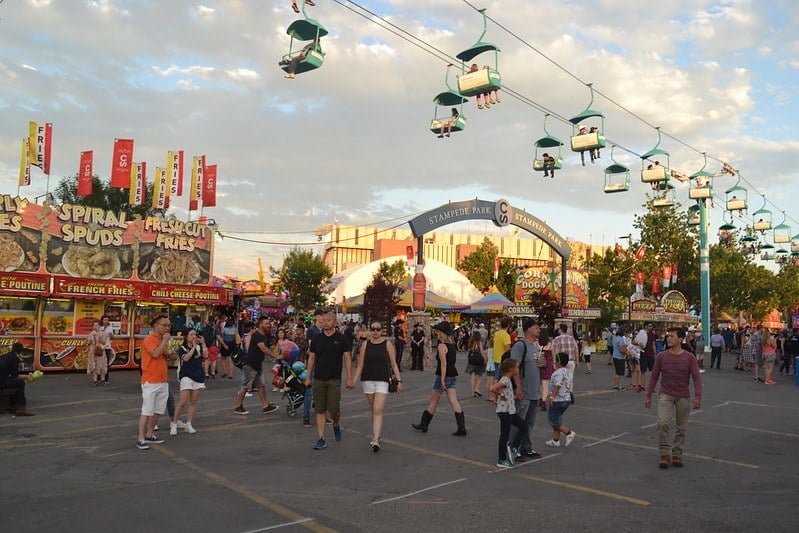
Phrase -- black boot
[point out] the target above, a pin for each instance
(461, 424)
(424, 423)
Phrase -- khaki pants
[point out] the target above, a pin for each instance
(668, 407)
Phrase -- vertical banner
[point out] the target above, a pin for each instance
(120, 163)
(209, 186)
(158, 190)
(179, 179)
(36, 134)
(197, 170)
(137, 185)
(85, 173)
(169, 172)
(25, 163)
(143, 182)
(48, 144)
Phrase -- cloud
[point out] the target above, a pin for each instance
(351, 140)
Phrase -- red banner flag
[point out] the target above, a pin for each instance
(656, 283)
(618, 249)
(641, 252)
(209, 186)
(85, 173)
(48, 143)
(674, 273)
(120, 163)
(180, 173)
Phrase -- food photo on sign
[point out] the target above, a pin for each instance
(173, 266)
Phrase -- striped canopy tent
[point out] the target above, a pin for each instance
(354, 301)
(492, 303)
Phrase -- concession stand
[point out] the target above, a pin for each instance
(63, 267)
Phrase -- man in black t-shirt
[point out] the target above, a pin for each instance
(328, 353)
(417, 347)
(399, 341)
(12, 382)
(258, 351)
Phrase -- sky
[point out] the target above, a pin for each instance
(351, 141)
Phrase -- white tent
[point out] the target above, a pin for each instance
(441, 279)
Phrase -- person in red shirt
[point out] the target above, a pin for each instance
(675, 367)
(155, 353)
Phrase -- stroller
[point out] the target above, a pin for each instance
(289, 377)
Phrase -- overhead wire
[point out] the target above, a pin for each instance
(444, 56)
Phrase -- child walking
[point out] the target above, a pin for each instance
(560, 400)
(506, 411)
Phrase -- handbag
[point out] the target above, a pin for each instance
(393, 383)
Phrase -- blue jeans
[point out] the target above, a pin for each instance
(307, 403)
(520, 440)
(555, 413)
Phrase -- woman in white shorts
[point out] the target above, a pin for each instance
(192, 377)
(377, 362)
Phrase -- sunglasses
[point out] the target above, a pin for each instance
(376, 329)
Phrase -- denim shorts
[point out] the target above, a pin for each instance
(555, 413)
(448, 381)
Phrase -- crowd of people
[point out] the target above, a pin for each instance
(527, 370)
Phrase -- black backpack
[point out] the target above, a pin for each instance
(209, 334)
(239, 355)
(506, 355)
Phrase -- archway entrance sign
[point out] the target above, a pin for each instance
(502, 214)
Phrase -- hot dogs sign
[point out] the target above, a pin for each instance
(93, 243)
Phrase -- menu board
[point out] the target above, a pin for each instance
(93, 243)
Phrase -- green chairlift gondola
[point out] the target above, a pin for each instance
(702, 186)
(617, 176)
(310, 56)
(726, 232)
(587, 141)
(654, 171)
(763, 219)
(666, 196)
(737, 197)
(782, 232)
(693, 215)
(767, 256)
(795, 245)
(482, 80)
(448, 99)
(547, 143)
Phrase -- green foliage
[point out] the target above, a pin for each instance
(548, 307)
(506, 280)
(610, 284)
(105, 197)
(304, 275)
(379, 300)
(395, 274)
(479, 265)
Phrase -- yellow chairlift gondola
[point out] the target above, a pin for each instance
(762, 217)
(702, 184)
(617, 176)
(585, 138)
(444, 124)
(782, 232)
(548, 162)
(651, 169)
(476, 81)
(310, 56)
(737, 197)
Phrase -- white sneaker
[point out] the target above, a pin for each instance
(173, 428)
(248, 394)
(553, 443)
(570, 437)
(181, 424)
(156, 428)
(190, 428)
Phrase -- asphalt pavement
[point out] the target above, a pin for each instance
(74, 466)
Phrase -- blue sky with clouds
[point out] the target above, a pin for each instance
(351, 140)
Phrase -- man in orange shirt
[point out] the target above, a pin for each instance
(154, 380)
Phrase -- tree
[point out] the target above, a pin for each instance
(395, 274)
(105, 197)
(506, 279)
(379, 300)
(479, 265)
(304, 275)
(610, 283)
(547, 305)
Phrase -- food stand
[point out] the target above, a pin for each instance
(63, 267)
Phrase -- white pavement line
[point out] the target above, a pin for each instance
(721, 404)
(649, 426)
(276, 526)
(606, 440)
(695, 412)
(526, 463)
(113, 454)
(750, 404)
(414, 493)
